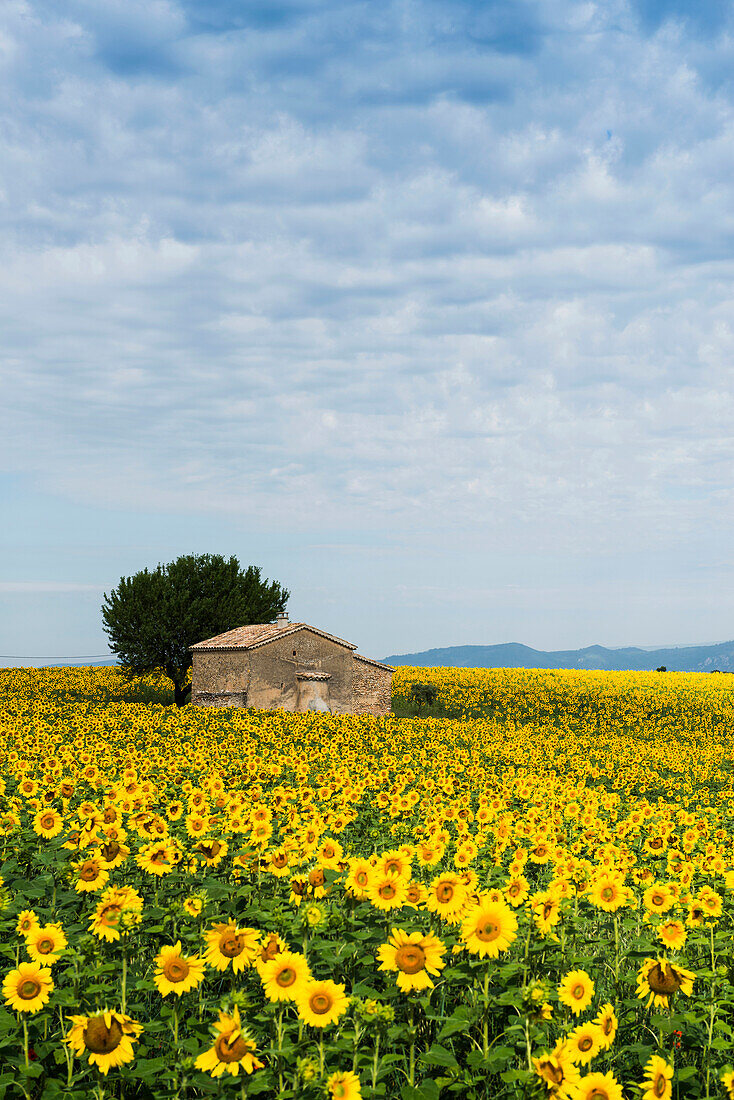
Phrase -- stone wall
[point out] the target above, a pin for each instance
(265, 677)
(273, 671)
(217, 671)
(219, 699)
(371, 688)
(313, 691)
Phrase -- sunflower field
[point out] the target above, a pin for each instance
(533, 898)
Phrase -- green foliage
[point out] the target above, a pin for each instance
(153, 617)
(423, 693)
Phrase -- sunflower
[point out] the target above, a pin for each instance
(156, 858)
(658, 898)
(321, 1003)
(344, 1086)
(429, 853)
(672, 934)
(317, 882)
(233, 1050)
(118, 910)
(107, 1037)
(711, 902)
(585, 1042)
(113, 853)
(576, 990)
(387, 891)
(44, 945)
(658, 1077)
(495, 896)
(516, 890)
(269, 945)
(277, 863)
(91, 875)
(607, 1023)
(196, 825)
(193, 906)
(727, 1081)
(608, 892)
(330, 853)
(394, 862)
(283, 975)
(558, 1072)
(541, 853)
(27, 921)
(227, 943)
(417, 895)
(177, 973)
(211, 851)
(316, 916)
(598, 1086)
(358, 879)
(28, 988)
(546, 910)
(414, 956)
(48, 824)
(489, 928)
(447, 897)
(659, 980)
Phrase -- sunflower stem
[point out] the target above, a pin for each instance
(525, 958)
(25, 1041)
(123, 1002)
(279, 1027)
(321, 1052)
(357, 1033)
(485, 1025)
(376, 1061)
(712, 1013)
(411, 1061)
(67, 1053)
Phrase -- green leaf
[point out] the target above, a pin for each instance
(439, 1056)
(513, 1075)
(459, 1021)
(685, 1073)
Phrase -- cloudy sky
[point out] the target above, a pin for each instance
(425, 306)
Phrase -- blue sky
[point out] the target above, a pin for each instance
(425, 307)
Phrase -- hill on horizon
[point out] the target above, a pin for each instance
(701, 658)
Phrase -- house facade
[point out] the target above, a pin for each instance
(293, 666)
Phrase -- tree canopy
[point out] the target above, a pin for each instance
(154, 616)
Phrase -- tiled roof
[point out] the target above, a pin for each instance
(249, 637)
(371, 661)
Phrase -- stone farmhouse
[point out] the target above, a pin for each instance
(290, 665)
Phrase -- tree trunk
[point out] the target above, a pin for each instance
(181, 694)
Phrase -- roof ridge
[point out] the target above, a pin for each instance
(372, 661)
(252, 635)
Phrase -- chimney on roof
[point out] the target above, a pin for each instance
(281, 619)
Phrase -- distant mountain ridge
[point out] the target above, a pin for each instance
(699, 658)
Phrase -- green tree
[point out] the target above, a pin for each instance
(153, 617)
(422, 693)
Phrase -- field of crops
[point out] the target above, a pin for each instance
(534, 898)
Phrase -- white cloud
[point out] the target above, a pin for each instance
(372, 265)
